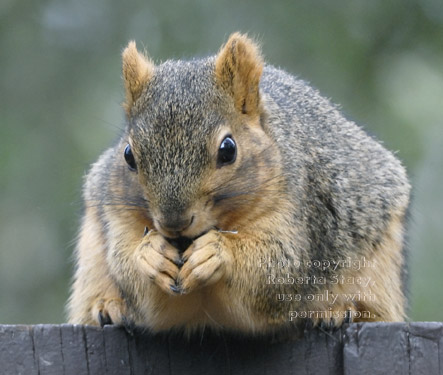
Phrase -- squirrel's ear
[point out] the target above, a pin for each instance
(138, 69)
(238, 68)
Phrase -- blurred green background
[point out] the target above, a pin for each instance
(61, 90)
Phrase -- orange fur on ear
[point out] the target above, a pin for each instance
(138, 69)
(238, 68)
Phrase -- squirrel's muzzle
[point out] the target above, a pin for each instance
(174, 224)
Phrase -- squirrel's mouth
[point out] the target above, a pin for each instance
(180, 243)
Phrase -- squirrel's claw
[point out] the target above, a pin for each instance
(176, 289)
(179, 262)
(348, 318)
(107, 311)
(309, 324)
(104, 319)
(328, 325)
(128, 325)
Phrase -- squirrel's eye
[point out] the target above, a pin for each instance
(227, 152)
(129, 157)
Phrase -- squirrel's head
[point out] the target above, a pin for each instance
(196, 140)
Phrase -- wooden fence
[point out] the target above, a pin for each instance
(370, 348)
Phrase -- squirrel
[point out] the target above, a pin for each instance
(238, 198)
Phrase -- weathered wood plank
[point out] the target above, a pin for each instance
(74, 349)
(371, 348)
(95, 351)
(48, 349)
(17, 354)
(324, 353)
(376, 348)
(393, 348)
(202, 354)
(424, 340)
(116, 351)
(149, 354)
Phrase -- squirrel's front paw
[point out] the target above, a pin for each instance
(109, 311)
(206, 261)
(159, 261)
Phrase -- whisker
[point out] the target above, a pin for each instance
(116, 205)
(119, 203)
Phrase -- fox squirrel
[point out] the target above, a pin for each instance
(238, 198)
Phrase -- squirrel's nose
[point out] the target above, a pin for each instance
(176, 224)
